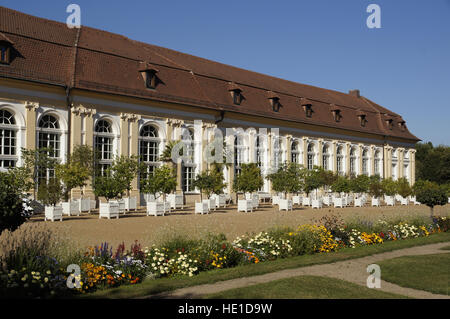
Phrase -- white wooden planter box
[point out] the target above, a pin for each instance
(338, 202)
(121, 206)
(285, 204)
(84, 205)
(317, 203)
(92, 205)
(376, 202)
(175, 200)
(53, 212)
(296, 200)
(389, 200)
(449, 200)
(211, 203)
(71, 208)
(306, 201)
(221, 200)
(398, 198)
(254, 198)
(359, 202)
(327, 200)
(348, 200)
(130, 203)
(201, 208)
(157, 208)
(109, 210)
(404, 201)
(275, 199)
(245, 205)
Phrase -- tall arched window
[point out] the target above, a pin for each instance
(406, 166)
(295, 152)
(103, 146)
(310, 156)
(340, 160)
(353, 161)
(238, 154)
(49, 137)
(277, 153)
(188, 167)
(365, 161)
(259, 151)
(326, 157)
(149, 148)
(377, 163)
(394, 164)
(8, 136)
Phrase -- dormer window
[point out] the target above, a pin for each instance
(4, 53)
(236, 93)
(362, 118)
(390, 123)
(148, 72)
(307, 107)
(336, 113)
(402, 125)
(274, 101)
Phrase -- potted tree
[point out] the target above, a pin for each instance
(340, 186)
(284, 181)
(125, 170)
(389, 189)
(163, 181)
(404, 190)
(375, 189)
(360, 185)
(50, 193)
(110, 188)
(248, 181)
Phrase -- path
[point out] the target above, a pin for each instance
(350, 270)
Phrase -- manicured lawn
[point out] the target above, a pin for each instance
(304, 287)
(430, 272)
(150, 286)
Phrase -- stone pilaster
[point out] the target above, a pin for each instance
(31, 108)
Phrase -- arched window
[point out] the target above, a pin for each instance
(295, 152)
(103, 146)
(353, 161)
(188, 167)
(149, 148)
(406, 166)
(394, 164)
(365, 161)
(259, 151)
(277, 153)
(238, 154)
(325, 157)
(310, 156)
(8, 136)
(49, 137)
(340, 160)
(377, 163)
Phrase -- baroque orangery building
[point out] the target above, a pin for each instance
(62, 87)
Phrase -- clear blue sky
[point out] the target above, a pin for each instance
(404, 66)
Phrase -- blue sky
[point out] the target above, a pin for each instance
(404, 66)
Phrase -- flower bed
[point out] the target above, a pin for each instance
(31, 272)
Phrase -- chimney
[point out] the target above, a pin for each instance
(354, 93)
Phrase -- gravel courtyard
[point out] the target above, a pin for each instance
(88, 230)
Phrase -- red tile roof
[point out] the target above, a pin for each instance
(92, 59)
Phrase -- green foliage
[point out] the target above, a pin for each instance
(375, 188)
(107, 186)
(360, 184)
(20, 179)
(50, 193)
(36, 163)
(341, 185)
(403, 187)
(389, 186)
(125, 169)
(163, 180)
(433, 163)
(312, 179)
(431, 194)
(12, 213)
(210, 182)
(249, 180)
(290, 178)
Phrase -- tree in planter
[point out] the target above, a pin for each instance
(403, 187)
(328, 178)
(36, 163)
(375, 187)
(288, 179)
(360, 184)
(389, 186)
(313, 180)
(431, 194)
(341, 185)
(163, 180)
(12, 212)
(108, 186)
(249, 180)
(125, 169)
(209, 182)
(50, 193)
(78, 169)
